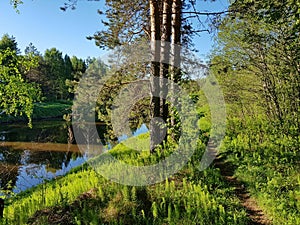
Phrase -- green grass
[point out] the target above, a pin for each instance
(188, 197)
(51, 110)
(46, 110)
(267, 162)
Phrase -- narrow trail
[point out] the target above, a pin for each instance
(255, 213)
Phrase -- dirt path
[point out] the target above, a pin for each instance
(256, 215)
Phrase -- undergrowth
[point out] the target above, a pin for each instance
(267, 161)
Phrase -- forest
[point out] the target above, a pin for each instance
(222, 144)
(35, 78)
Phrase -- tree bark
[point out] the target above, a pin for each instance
(165, 61)
(176, 57)
(155, 71)
(165, 27)
(1, 207)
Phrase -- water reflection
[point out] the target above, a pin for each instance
(28, 156)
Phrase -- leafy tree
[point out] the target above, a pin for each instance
(78, 67)
(51, 73)
(260, 41)
(17, 96)
(68, 67)
(68, 73)
(128, 22)
(38, 75)
(154, 20)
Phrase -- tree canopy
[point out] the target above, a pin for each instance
(33, 76)
(17, 96)
(259, 50)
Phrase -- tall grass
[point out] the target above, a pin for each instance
(267, 162)
(189, 197)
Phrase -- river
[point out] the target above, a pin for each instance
(30, 155)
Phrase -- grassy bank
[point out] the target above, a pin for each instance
(268, 163)
(85, 197)
(45, 110)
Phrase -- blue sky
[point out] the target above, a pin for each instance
(45, 25)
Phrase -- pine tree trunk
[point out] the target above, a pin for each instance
(155, 70)
(165, 59)
(176, 58)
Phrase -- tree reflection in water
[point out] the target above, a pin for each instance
(28, 156)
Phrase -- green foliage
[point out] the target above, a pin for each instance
(266, 162)
(51, 110)
(56, 76)
(258, 58)
(257, 63)
(31, 50)
(108, 81)
(17, 96)
(46, 110)
(56, 73)
(8, 42)
(125, 23)
(79, 67)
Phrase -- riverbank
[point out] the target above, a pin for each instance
(42, 111)
(191, 196)
(85, 197)
(264, 178)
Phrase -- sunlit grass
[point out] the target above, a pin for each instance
(267, 162)
(189, 197)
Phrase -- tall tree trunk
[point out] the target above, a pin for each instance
(155, 70)
(176, 33)
(165, 59)
(176, 58)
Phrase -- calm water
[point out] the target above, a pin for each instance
(29, 156)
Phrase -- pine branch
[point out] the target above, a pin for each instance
(71, 4)
(207, 13)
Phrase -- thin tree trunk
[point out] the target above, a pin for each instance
(165, 59)
(176, 58)
(176, 36)
(155, 70)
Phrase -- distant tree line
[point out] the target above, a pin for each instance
(53, 72)
(32, 76)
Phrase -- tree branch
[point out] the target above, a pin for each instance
(207, 13)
